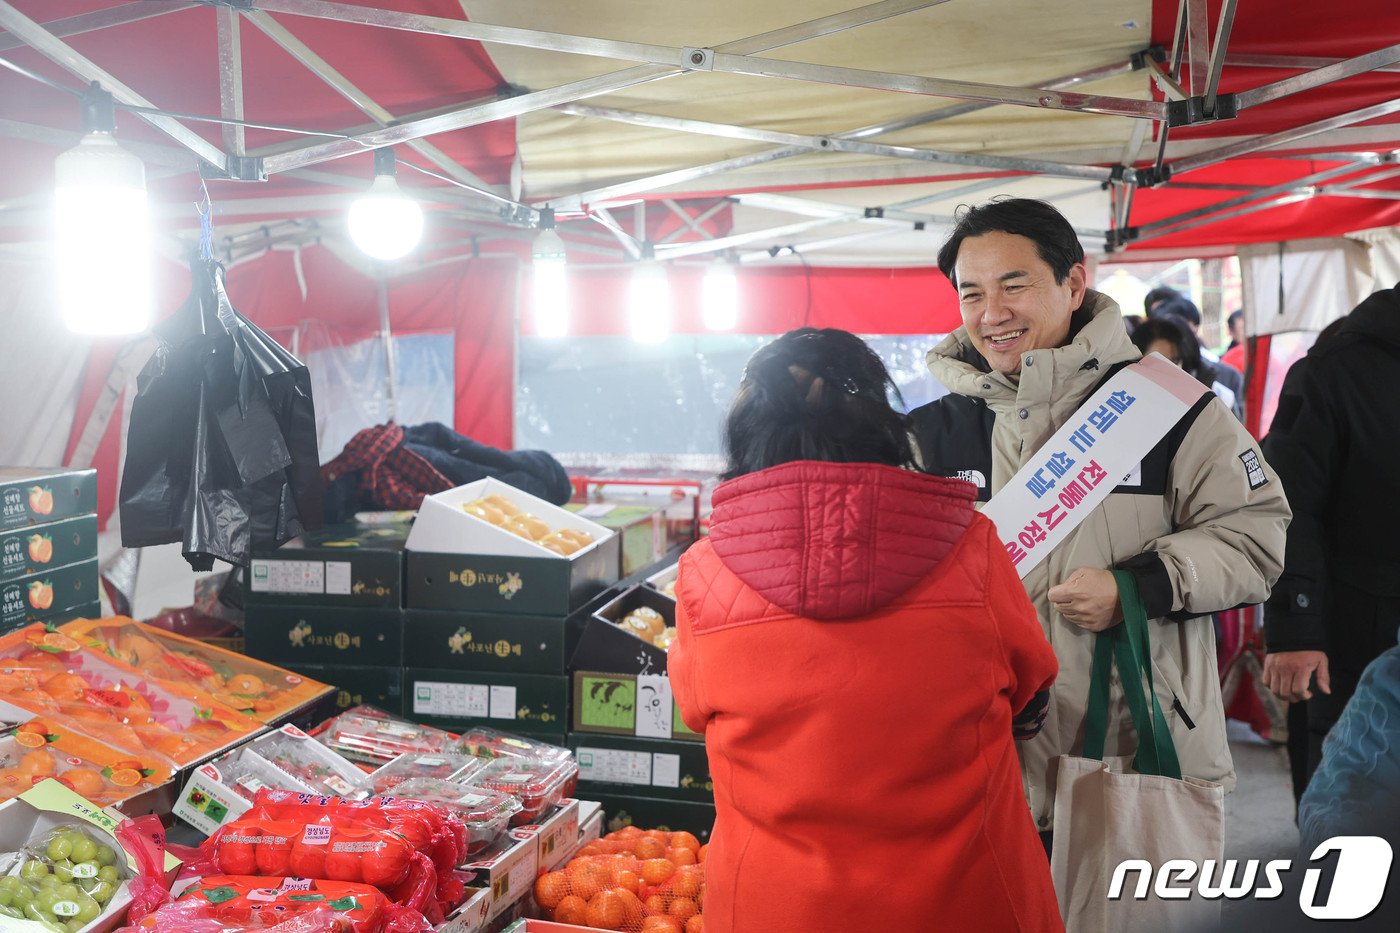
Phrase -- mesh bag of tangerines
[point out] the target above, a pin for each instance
(633, 880)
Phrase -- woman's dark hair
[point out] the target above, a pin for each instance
(1165, 328)
(1055, 240)
(815, 395)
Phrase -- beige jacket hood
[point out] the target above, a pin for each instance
(1205, 541)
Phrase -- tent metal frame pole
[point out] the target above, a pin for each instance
(696, 221)
(690, 223)
(837, 144)
(1284, 189)
(1279, 201)
(577, 90)
(723, 166)
(721, 60)
(606, 220)
(231, 79)
(1217, 54)
(759, 256)
(1327, 74)
(322, 69)
(1197, 35)
(1179, 40)
(1298, 62)
(60, 53)
(1213, 156)
(100, 19)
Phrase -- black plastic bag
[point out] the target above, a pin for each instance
(221, 449)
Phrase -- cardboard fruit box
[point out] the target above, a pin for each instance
(658, 768)
(266, 693)
(349, 565)
(36, 495)
(34, 549)
(639, 705)
(38, 749)
(476, 641)
(53, 677)
(52, 592)
(461, 562)
(293, 635)
(49, 806)
(355, 685)
(606, 646)
(527, 703)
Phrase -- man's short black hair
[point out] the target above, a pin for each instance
(1234, 316)
(1159, 294)
(1179, 307)
(1055, 240)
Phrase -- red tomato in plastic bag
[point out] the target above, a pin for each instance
(273, 855)
(308, 861)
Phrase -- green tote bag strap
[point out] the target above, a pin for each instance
(1129, 644)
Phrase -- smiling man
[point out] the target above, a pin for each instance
(1199, 522)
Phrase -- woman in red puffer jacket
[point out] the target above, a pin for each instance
(856, 648)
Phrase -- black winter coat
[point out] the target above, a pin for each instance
(1335, 444)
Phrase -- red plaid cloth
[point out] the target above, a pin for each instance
(391, 476)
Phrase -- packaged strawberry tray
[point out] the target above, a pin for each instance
(485, 813)
(538, 785)
(372, 736)
(443, 766)
(483, 742)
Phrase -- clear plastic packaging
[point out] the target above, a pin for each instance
(437, 766)
(373, 736)
(485, 812)
(321, 776)
(40, 749)
(484, 742)
(62, 878)
(251, 902)
(538, 785)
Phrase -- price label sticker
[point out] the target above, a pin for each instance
(316, 835)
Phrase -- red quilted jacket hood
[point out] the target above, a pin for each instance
(837, 540)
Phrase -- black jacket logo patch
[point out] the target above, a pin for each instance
(1253, 469)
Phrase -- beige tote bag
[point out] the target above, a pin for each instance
(1145, 814)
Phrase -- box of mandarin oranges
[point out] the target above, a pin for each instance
(52, 677)
(489, 547)
(267, 694)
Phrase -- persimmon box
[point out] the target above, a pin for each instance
(49, 593)
(36, 495)
(36, 548)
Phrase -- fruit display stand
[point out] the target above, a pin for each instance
(268, 694)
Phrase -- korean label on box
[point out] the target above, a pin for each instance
(288, 576)
(614, 766)
(443, 699)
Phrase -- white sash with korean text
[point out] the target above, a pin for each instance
(1103, 442)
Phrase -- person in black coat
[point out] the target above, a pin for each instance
(1335, 444)
(1224, 380)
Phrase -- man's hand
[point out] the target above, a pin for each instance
(1288, 673)
(1089, 599)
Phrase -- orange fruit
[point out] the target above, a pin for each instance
(631, 909)
(681, 856)
(60, 642)
(703, 853)
(683, 908)
(649, 848)
(687, 881)
(627, 832)
(685, 840)
(176, 747)
(662, 924)
(695, 924)
(657, 904)
(126, 777)
(586, 878)
(37, 762)
(605, 911)
(84, 781)
(589, 851)
(66, 688)
(572, 909)
(550, 889)
(657, 870)
(626, 880)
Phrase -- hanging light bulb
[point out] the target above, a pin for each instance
(649, 300)
(103, 229)
(549, 287)
(384, 222)
(721, 296)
